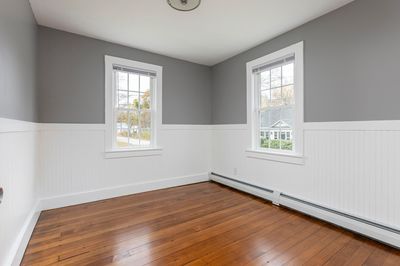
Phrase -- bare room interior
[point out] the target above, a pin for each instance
(199, 132)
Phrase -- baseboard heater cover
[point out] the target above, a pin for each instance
(384, 227)
(243, 183)
(390, 236)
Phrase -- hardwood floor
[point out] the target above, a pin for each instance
(201, 224)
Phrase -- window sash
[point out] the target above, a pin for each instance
(125, 69)
(277, 135)
(274, 64)
(116, 109)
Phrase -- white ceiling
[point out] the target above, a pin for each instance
(215, 31)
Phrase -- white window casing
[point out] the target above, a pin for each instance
(253, 119)
(111, 149)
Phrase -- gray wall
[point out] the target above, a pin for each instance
(17, 61)
(71, 81)
(352, 68)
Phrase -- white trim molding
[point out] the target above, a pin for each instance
(132, 153)
(373, 125)
(71, 127)
(252, 98)
(277, 157)
(156, 99)
(18, 247)
(118, 191)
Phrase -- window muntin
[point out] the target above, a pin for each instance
(275, 104)
(132, 108)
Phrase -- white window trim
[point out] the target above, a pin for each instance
(282, 156)
(110, 150)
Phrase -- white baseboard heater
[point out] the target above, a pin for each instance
(376, 231)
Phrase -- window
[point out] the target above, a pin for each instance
(275, 101)
(133, 92)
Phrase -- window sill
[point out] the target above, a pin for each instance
(291, 158)
(143, 152)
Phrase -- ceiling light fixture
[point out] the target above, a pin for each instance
(184, 5)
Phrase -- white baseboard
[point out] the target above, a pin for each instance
(106, 193)
(18, 247)
(371, 231)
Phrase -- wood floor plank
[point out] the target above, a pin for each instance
(313, 249)
(72, 228)
(285, 245)
(201, 224)
(246, 248)
(219, 241)
(159, 237)
(138, 225)
(238, 223)
(331, 249)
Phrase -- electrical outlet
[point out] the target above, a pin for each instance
(1, 194)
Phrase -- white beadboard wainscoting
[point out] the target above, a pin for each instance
(18, 160)
(72, 161)
(350, 167)
(45, 166)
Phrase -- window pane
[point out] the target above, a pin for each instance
(265, 98)
(134, 118)
(144, 83)
(276, 94)
(145, 136)
(276, 97)
(269, 118)
(122, 98)
(277, 100)
(145, 100)
(265, 80)
(288, 74)
(265, 136)
(269, 123)
(122, 129)
(276, 77)
(132, 109)
(283, 135)
(133, 82)
(287, 118)
(134, 100)
(122, 81)
(134, 128)
(288, 95)
(145, 119)
(287, 145)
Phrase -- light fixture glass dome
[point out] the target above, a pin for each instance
(184, 5)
